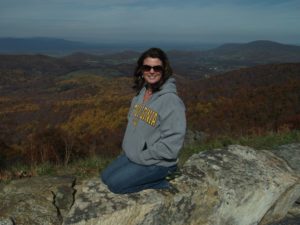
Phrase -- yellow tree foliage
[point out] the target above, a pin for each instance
(92, 121)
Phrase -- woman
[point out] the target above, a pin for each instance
(155, 130)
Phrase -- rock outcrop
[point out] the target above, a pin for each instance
(36, 201)
(232, 186)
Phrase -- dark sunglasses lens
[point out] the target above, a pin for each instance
(146, 68)
(155, 68)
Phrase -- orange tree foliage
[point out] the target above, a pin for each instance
(245, 101)
(59, 124)
(83, 114)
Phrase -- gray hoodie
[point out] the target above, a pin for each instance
(155, 130)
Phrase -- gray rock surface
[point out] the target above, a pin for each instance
(290, 153)
(233, 186)
(39, 200)
(6, 221)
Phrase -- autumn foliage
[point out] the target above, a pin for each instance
(61, 118)
(245, 101)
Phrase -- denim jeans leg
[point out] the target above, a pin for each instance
(128, 177)
(115, 165)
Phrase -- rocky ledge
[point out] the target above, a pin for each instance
(236, 185)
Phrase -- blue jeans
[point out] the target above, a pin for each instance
(124, 176)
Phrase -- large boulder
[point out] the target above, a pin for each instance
(231, 186)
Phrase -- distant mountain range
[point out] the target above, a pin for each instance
(229, 57)
(42, 45)
(58, 47)
(193, 64)
(261, 51)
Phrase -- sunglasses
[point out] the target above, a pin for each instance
(147, 68)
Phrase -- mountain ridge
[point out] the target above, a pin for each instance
(260, 51)
(257, 43)
(39, 45)
(50, 45)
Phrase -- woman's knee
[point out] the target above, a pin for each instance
(115, 186)
(114, 167)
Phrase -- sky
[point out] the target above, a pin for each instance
(182, 21)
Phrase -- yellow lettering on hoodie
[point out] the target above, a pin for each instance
(141, 112)
(148, 116)
(154, 119)
(144, 113)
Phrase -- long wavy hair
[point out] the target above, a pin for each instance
(139, 81)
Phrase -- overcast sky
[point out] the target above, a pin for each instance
(208, 21)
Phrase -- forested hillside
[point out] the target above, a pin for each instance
(246, 101)
(77, 110)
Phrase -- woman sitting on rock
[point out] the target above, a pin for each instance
(155, 130)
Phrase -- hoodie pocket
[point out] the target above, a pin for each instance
(145, 146)
(133, 145)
